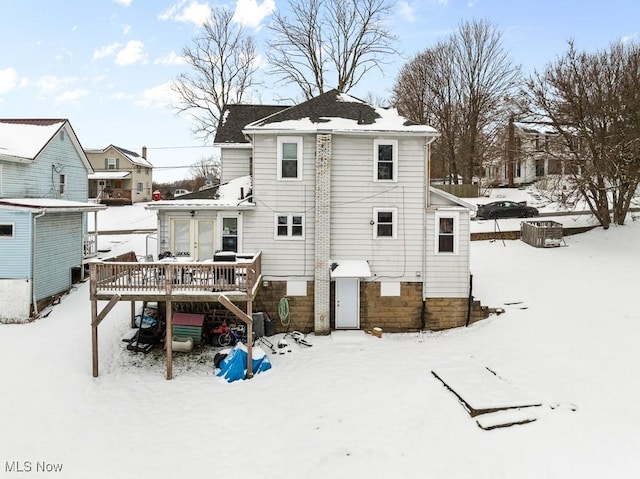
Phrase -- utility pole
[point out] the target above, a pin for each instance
(511, 150)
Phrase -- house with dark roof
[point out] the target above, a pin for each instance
(335, 195)
(120, 175)
(44, 242)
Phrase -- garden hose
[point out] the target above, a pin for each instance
(283, 312)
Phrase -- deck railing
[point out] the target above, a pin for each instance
(175, 277)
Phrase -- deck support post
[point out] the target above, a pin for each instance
(94, 336)
(168, 340)
(246, 319)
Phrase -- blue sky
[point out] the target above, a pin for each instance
(106, 64)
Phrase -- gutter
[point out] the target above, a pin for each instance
(40, 214)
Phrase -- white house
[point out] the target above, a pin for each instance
(335, 195)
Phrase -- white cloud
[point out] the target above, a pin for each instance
(71, 96)
(8, 80)
(195, 12)
(106, 51)
(126, 29)
(124, 3)
(171, 59)
(407, 11)
(250, 13)
(161, 96)
(133, 52)
(49, 84)
(630, 38)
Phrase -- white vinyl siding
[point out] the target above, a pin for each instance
(447, 274)
(235, 163)
(281, 259)
(353, 196)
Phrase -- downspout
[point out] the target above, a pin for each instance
(427, 202)
(33, 262)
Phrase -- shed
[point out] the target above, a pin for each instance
(541, 234)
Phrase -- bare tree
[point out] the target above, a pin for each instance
(329, 42)
(205, 172)
(593, 100)
(459, 86)
(223, 62)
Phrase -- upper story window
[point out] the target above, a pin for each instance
(111, 163)
(289, 226)
(385, 223)
(63, 184)
(447, 233)
(289, 157)
(385, 160)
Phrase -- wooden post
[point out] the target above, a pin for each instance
(250, 340)
(167, 340)
(133, 314)
(94, 336)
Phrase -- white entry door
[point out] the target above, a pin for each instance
(195, 238)
(347, 303)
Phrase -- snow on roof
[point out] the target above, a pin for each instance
(25, 139)
(231, 194)
(337, 111)
(109, 175)
(50, 204)
(352, 268)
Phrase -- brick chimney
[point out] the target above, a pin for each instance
(144, 152)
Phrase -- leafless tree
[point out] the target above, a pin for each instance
(329, 42)
(593, 99)
(459, 86)
(205, 172)
(223, 62)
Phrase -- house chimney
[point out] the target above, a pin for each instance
(144, 152)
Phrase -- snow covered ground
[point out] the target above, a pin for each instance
(352, 405)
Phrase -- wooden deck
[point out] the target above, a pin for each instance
(176, 280)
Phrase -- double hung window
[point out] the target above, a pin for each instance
(289, 153)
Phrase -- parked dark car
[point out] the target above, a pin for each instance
(505, 209)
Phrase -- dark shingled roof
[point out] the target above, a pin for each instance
(327, 105)
(236, 117)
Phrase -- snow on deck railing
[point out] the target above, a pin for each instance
(175, 277)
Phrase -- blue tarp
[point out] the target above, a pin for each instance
(234, 366)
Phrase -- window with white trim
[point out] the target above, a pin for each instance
(289, 157)
(6, 230)
(139, 186)
(385, 223)
(289, 226)
(230, 234)
(446, 233)
(385, 160)
(63, 184)
(111, 163)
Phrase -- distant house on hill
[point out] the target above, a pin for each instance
(120, 175)
(44, 241)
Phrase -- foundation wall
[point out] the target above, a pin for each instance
(391, 313)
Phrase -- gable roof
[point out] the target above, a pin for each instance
(132, 156)
(452, 198)
(23, 139)
(236, 117)
(337, 111)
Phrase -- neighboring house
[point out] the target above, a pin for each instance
(334, 193)
(533, 150)
(120, 175)
(44, 241)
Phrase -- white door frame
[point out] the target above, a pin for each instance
(347, 303)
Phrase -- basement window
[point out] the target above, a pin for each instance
(6, 230)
